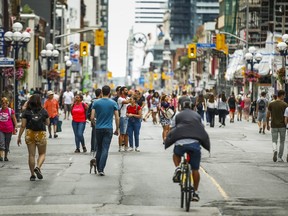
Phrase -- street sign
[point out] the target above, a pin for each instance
(205, 45)
(6, 62)
(2, 44)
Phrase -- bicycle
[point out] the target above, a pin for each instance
(186, 181)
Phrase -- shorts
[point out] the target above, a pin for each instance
(232, 110)
(261, 116)
(5, 139)
(67, 107)
(35, 137)
(194, 150)
(123, 125)
(54, 121)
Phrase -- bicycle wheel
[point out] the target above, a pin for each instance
(188, 192)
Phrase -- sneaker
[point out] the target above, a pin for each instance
(33, 178)
(55, 135)
(77, 150)
(101, 173)
(84, 149)
(6, 159)
(137, 150)
(121, 149)
(50, 136)
(280, 160)
(126, 148)
(195, 197)
(130, 149)
(176, 176)
(275, 156)
(263, 132)
(38, 173)
(260, 130)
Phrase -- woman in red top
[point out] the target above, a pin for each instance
(134, 114)
(78, 112)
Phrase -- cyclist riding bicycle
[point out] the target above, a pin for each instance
(188, 135)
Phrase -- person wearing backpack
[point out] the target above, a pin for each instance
(261, 112)
(7, 128)
(78, 112)
(34, 120)
(52, 107)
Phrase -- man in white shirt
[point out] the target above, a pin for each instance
(123, 102)
(68, 99)
(87, 98)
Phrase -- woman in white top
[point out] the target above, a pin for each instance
(211, 109)
(223, 109)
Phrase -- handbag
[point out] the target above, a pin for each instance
(169, 113)
(59, 126)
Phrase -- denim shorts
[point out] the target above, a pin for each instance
(194, 150)
(261, 116)
(54, 121)
(123, 125)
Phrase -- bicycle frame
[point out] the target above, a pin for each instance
(186, 181)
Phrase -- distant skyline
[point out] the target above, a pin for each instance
(121, 19)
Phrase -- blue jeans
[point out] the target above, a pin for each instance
(78, 129)
(103, 137)
(134, 126)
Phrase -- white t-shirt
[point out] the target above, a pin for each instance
(68, 97)
(87, 99)
(122, 107)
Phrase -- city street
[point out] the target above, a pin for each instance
(237, 178)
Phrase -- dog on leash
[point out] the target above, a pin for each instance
(93, 164)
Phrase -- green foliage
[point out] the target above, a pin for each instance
(27, 9)
(185, 61)
(195, 39)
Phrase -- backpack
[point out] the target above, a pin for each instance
(36, 122)
(89, 110)
(261, 105)
(199, 106)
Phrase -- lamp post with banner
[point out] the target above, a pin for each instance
(253, 59)
(50, 55)
(68, 64)
(283, 49)
(17, 39)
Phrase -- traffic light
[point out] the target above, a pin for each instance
(83, 49)
(192, 51)
(220, 41)
(109, 75)
(99, 37)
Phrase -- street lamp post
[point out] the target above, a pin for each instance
(17, 39)
(253, 59)
(283, 49)
(68, 64)
(50, 54)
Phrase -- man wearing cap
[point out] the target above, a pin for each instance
(52, 107)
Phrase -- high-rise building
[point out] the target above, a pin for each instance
(150, 11)
(203, 11)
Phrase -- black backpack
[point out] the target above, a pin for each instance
(261, 105)
(36, 123)
(199, 106)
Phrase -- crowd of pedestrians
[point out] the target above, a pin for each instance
(130, 109)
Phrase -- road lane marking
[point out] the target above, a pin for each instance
(38, 199)
(220, 189)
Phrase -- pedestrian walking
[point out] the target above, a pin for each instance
(148, 100)
(134, 114)
(34, 120)
(240, 106)
(201, 106)
(68, 99)
(276, 111)
(78, 112)
(183, 98)
(211, 109)
(223, 109)
(87, 98)
(232, 106)
(165, 120)
(52, 107)
(8, 126)
(261, 112)
(103, 110)
(155, 102)
(246, 109)
(123, 102)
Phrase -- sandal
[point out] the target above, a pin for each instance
(33, 178)
(38, 173)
